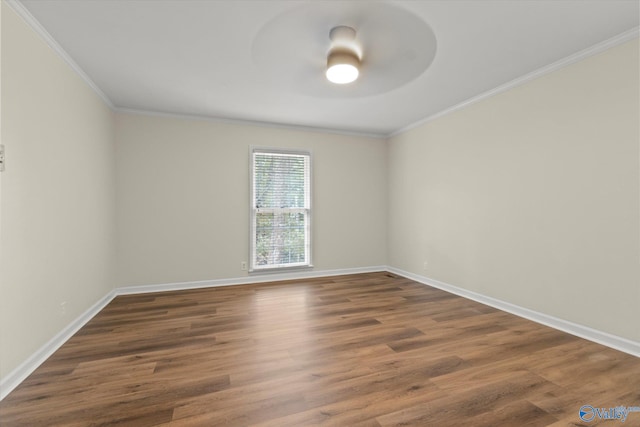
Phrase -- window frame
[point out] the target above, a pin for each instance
(253, 268)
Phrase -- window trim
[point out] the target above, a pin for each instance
(253, 269)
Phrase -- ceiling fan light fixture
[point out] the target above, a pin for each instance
(343, 61)
(342, 67)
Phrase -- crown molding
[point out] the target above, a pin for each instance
(24, 13)
(628, 35)
(244, 122)
(555, 66)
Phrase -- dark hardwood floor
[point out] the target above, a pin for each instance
(362, 350)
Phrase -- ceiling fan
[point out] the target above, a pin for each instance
(364, 48)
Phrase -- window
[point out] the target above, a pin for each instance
(280, 209)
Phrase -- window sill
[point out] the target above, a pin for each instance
(276, 270)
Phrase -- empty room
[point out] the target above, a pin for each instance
(341, 213)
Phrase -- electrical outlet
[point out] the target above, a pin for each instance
(425, 265)
(243, 266)
(63, 308)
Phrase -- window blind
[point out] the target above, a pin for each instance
(280, 209)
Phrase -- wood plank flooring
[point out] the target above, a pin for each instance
(361, 350)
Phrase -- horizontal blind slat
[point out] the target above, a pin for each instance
(281, 202)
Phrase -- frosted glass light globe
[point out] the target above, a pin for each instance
(342, 67)
(342, 73)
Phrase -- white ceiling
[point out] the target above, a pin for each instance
(263, 60)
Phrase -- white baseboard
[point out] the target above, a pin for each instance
(19, 374)
(623, 344)
(246, 280)
(14, 378)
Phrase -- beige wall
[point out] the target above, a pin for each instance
(57, 194)
(183, 198)
(531, 196)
